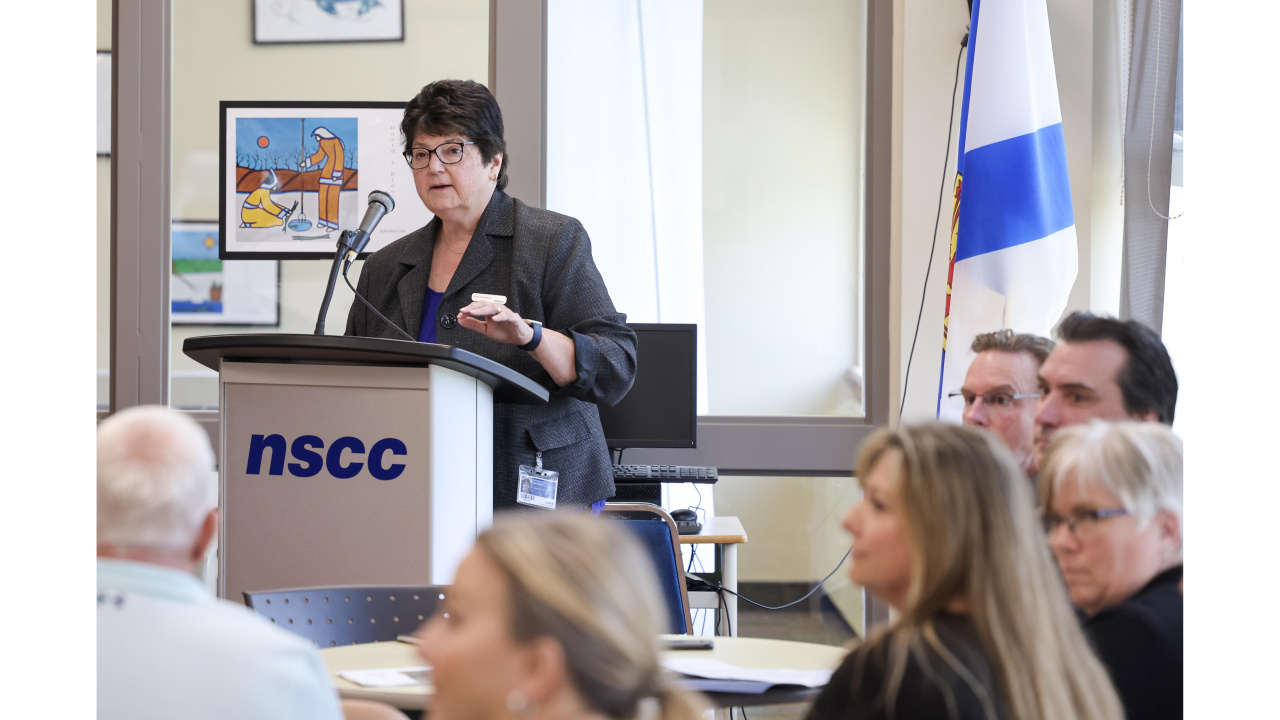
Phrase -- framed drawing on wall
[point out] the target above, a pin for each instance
(296, 174)
(205, 290)
(314, 21)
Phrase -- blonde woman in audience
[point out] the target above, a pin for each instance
(946, 533)
(552, 615)
(1112, 505)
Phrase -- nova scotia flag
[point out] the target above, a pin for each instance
(1013, 235)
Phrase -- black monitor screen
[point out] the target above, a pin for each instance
(661, 410)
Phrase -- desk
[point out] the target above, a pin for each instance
(726, 533)
(743, 652)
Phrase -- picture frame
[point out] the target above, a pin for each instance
(104, 103)
(293, 175)
(206, 290)
(327, 21)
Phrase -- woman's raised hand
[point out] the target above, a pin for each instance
(496, 322)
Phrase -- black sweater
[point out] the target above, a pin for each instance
(1140, 643)
(930, 689)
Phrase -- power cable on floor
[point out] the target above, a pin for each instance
(793, 602)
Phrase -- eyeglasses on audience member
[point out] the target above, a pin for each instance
(1082, 523)
(994, 401)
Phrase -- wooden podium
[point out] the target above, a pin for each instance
(352, 461)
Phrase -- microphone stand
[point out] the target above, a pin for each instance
(344, 246)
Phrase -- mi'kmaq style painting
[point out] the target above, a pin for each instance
(295, 175)
(296, 178)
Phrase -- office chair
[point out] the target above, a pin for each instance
(347, 615)
(657, 533)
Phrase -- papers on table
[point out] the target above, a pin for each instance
(388, 677)
(710, 675)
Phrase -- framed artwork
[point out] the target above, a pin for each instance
(295, 174)
(317, 21)
(206, 290)
(104, 103)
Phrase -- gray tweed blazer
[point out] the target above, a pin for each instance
(541, 261)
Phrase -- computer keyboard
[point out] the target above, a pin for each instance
(664, 473)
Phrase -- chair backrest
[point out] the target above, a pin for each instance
(657, 533)
(348, 615)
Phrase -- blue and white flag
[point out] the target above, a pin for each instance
(1013, 234)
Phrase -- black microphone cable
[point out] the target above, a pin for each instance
(946, 159)
(369, 305)
(821, 582)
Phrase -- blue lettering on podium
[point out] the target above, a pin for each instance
(306, 450)
(302, 451)
(257, 444)
(336, 468)
(376, 468)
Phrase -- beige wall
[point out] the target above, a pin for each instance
(1107, 224)
(782, 120)
(781, 231)
(794, 530)
(215, 59)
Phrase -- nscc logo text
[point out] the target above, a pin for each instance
(306, 450)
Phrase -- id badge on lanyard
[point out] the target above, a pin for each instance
(537, 486)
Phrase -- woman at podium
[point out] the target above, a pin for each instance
(514, 283)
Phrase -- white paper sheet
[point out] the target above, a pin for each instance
(715, 669)
(388, 677)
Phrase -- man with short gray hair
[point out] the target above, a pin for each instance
(1000, 388)
(166, 648)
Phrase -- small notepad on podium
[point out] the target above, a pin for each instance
(709, 675)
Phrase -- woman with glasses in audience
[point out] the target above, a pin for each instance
(1112, 506)
(554, 615)
(513, 283)
(946, 533)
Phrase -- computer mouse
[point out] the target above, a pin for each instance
(684, 514)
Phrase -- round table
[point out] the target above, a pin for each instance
(743, 652)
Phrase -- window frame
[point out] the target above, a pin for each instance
(737, 445)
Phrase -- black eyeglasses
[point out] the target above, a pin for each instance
(449, 154)
(1081, 523)
(995, 401)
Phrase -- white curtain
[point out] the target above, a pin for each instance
(624, 156)
(624, 149)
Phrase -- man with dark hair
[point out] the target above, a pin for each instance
(999, 389)
(1104, 368)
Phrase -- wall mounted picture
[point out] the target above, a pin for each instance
(310, 21)
(104, 103)
(205, 290)
(294, 175)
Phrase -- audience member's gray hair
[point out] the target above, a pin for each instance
(1138, 462)
(156, 479)
(1013, 342)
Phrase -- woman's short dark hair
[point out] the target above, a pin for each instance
(458, 107)
(1147, 380)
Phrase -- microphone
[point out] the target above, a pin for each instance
(350, 243)
(380, 203)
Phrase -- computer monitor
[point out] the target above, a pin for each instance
(661, 410)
